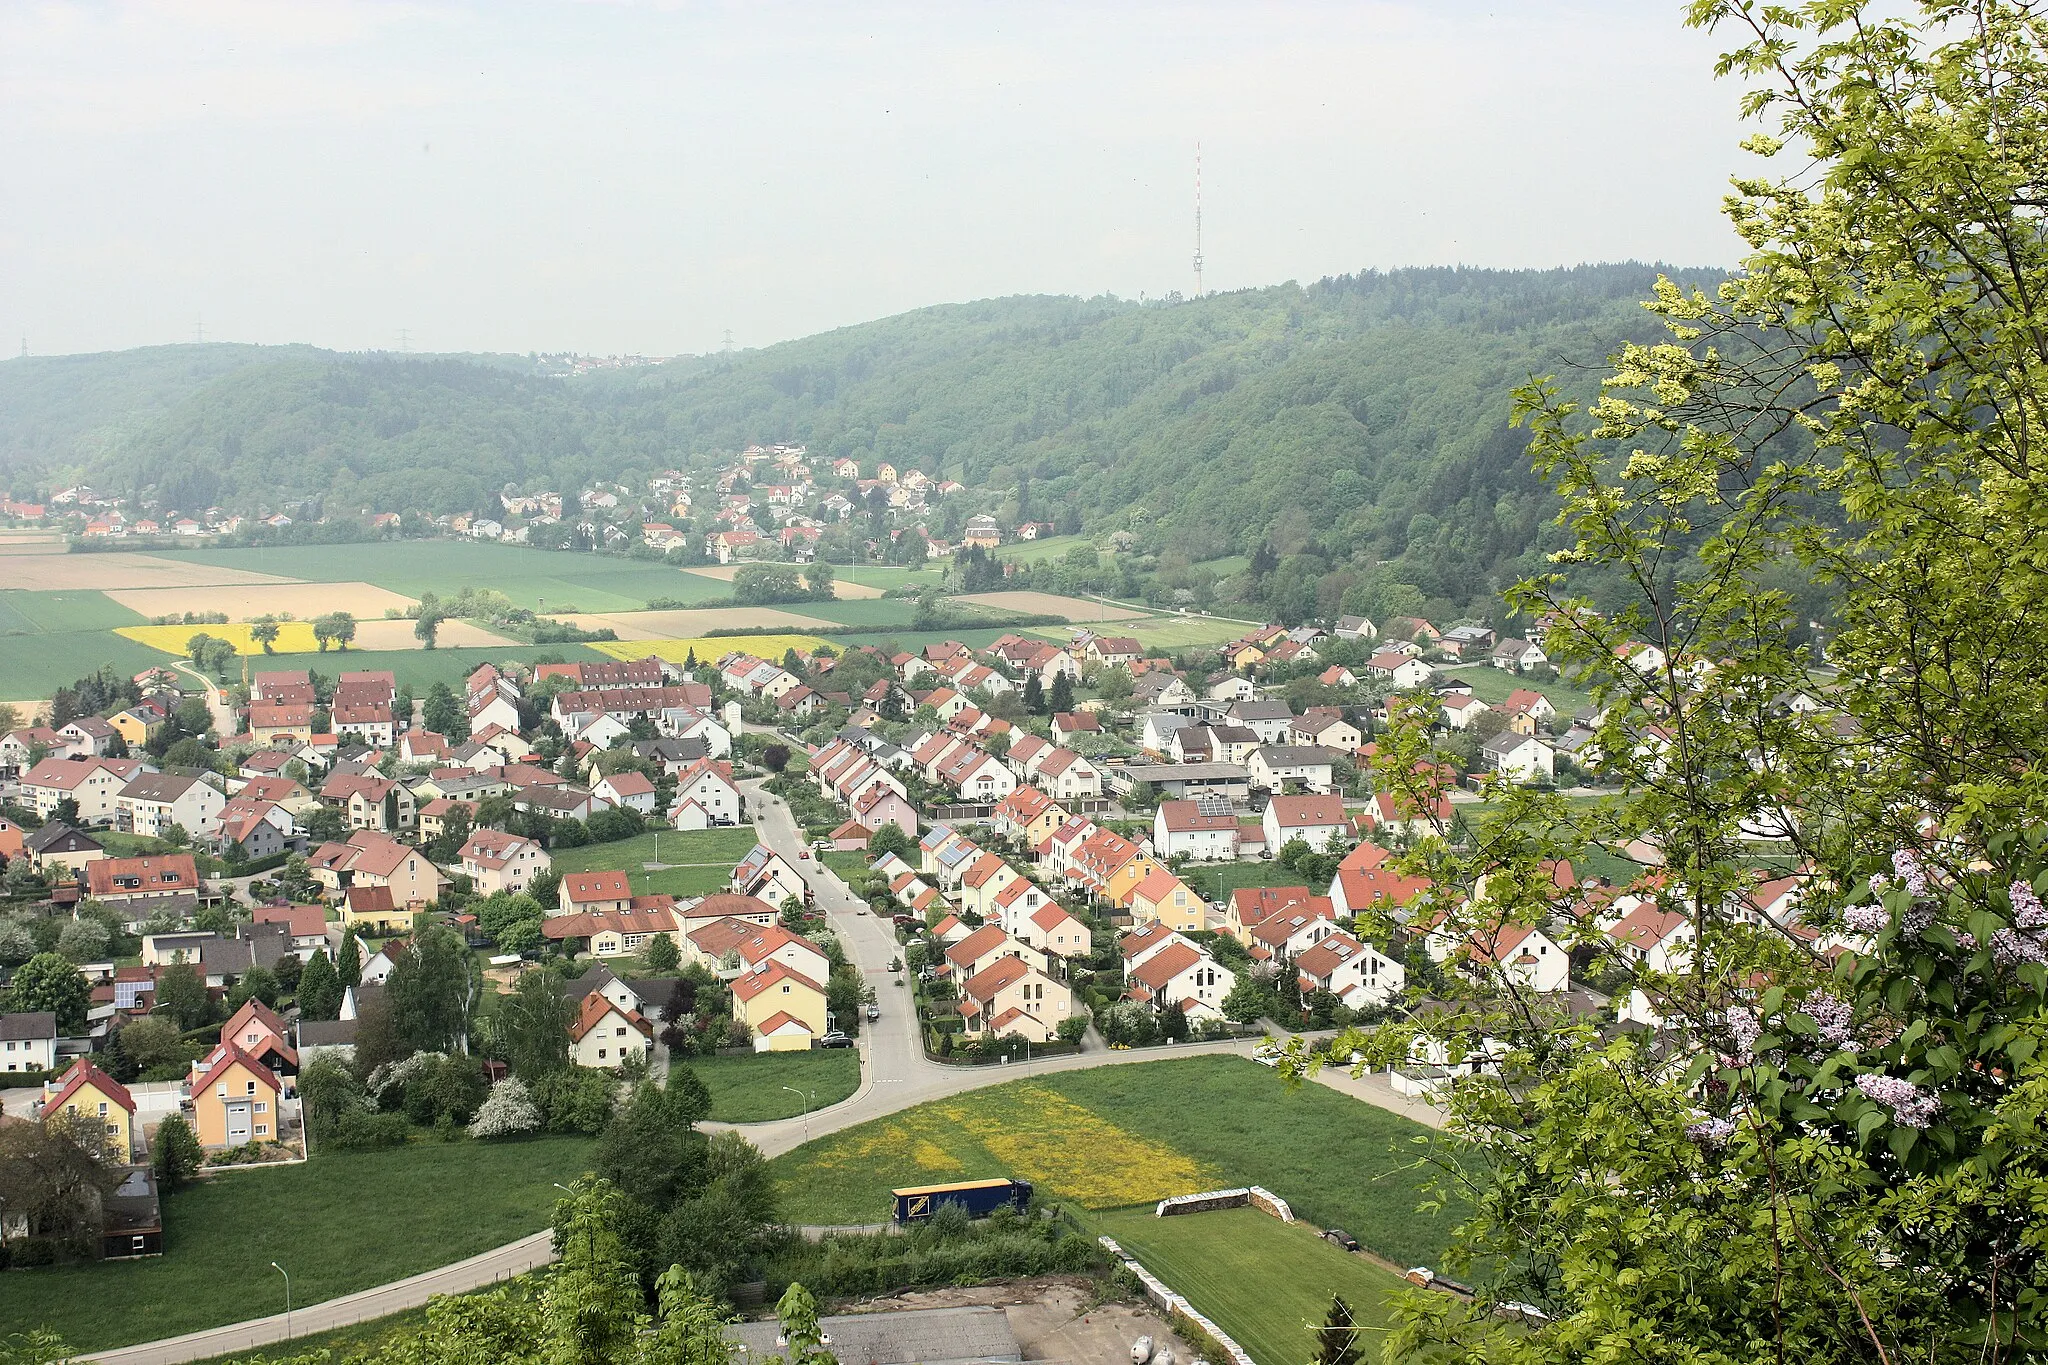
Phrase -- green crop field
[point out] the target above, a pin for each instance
(1265, 1282)
(1046, 551)
(555, 579)
(751, 1089)
(62, 612)
(701, 860)
(343, 1221)
(979, 637)
(1114, 1136)
(32, 668)
(875, 612)
(887, 576)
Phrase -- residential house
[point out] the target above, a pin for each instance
(1205, 831)
(156, 803)
(306, 924)
(1528, 954)
(1518, 656)
(370, 859)
(1274, 766)
(706, 796)
(626, 791)
(251, 829)
(1067, 776)
(1287, 933)
(275, 724)
(21, 750)
(1013, 998)
(1352, 970)
(258, 1031)
(618, 933)
(58, 846)
(1250, 906)
(28, 1041)
(1027, 815)
(768, 876)
(1461, 709)
(1319, 821)
(1403, 670)
(983, 948)
(1467, 642)
(495, 861)
(1354, 628)
(1524, 758)
(784, 1009)
(139, 886)
(1327, 728)
(593, 893)
(235, 1099)
(604, 1035)
(1177, 975)
(1162, 898)
(88, 736)
(1527, 711)
(1269, 720)
(90, 1093)
(1365, 881)
(93, 783)
(371, 801)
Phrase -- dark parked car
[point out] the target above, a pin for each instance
(1342, 1239)
(835, 1039)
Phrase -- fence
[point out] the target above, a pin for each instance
(1264, 1200)
(1163, 1295)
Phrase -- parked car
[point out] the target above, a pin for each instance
(835, 1039)
(1341, 1238)
(874, 1012)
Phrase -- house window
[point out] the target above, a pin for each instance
(261, 1107)
(600, 1054)
(261, 1129)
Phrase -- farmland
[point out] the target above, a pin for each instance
(1120, 1135)
(707, 649)
(61, 612)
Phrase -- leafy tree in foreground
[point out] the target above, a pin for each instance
(1833, 1149)
(48, 982)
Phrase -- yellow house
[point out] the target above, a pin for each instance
(784, 1008)
(137, 728)
(1245, 656)
(89, 1092)
(371, 910)
(1165, 899)
(1125, 881)
(234, 1099)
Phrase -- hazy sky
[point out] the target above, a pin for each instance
(641, 177)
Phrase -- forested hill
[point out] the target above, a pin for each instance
(1360, 418)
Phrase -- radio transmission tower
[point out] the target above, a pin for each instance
(1198, 220)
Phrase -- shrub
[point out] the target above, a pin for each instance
(508, 1111)
(358, 1130)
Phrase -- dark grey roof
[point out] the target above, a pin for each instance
(1270, 709)
(227, 956)
(326, 1032)
(27, 1027)
(158, 786)
(595, 979)
(133, 1207)
(1296, 755)
(931, 1336)
(58, 837)
(1506, 742)
(1185, 772)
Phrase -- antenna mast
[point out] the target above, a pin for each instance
(1198, 220)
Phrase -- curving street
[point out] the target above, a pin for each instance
(895, 1074)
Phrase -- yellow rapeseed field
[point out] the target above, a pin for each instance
(293, 637)
(710, 648)
(1030, 1132)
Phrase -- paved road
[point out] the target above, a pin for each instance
(895, 1074)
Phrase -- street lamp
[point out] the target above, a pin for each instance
(287, 1298)
(808, 1098)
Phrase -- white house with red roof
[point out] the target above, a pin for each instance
(626, 791)
(1530, 956)
(587, 893)
(706, 796)
(984, 948)
(604, 1035)
(1349, 968)
(1365, 881)
(496, 861)
(1319, 821)
(1054, 932)
(1653, 937)
(1203, 831)
(1013, 998)
(1175, 974)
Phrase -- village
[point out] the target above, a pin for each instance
(1068, 849)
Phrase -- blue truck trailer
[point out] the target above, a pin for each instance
(979, 1197)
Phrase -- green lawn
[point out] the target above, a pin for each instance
(1047, 550)
(1263, 1281)
(889, 576)
(1492, 685)
(554, 579)
(341, 1222)
(1217, 880)
(750, 1089)
(62, 612)
(851, 868)
(703, 859)
(1118, 1135)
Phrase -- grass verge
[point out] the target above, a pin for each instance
(751, 1089)
(1265, 1282)
(342, 1222)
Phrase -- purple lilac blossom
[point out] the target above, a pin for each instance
(1836, 1018)
(1711, 1132)
(2027, 910)
(1911, 1106)
(1867, 919)
(1745, 1029)
(2012, 948)
(1910, 872)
